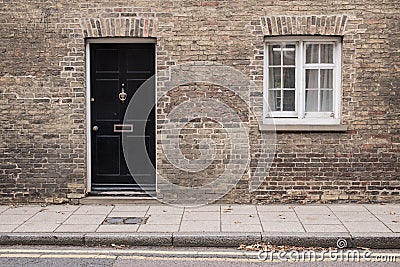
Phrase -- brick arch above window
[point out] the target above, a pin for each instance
(119, 27)
(304, 25)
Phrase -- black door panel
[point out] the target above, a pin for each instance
(114, 66)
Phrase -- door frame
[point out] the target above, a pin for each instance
(88, 42)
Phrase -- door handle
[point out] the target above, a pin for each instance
(95, 128)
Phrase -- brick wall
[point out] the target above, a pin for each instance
(43, 93)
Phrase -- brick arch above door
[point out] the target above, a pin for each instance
(119, 27)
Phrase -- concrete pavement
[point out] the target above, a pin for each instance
(368, 225)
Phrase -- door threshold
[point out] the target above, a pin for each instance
(112, 200)
(128, 193)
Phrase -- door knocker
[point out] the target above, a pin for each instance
(122, 96)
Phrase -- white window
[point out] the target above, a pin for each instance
(302, 81)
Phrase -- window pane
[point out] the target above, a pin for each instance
(326, 101)
(326, 78)
(311, 78)
(326, 53)
(288, 100)
(274, 55)
(312, 53)
(274, 100)
(289, 54)
(289, 77)
(311, 100)
(275, 78)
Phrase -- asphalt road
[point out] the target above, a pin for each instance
(172, 257)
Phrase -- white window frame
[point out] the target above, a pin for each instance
(300, 117)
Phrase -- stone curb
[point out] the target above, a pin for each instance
(135, 239)
(306, 239)
(376, 240)
(200, 239)
(65, 239)
(215, 239)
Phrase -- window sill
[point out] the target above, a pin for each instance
(303, 128)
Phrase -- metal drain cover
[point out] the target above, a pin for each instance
(125, 220)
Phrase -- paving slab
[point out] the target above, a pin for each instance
(131, 208)
(389, 219)
(312, 210)
(286, 208)
(325, 228)
(350, 216)
(164, 209)
(14, 218)
(159, 228)
(209, 208)
(3, 208)
(202, 215)
(94, 209)
(366, 227)
(241, 228)
(37, 227)
(394, 227)
(77, 228)
(164, 219)
(127, 214)
(319, 219)
(238, 209)
(118, 228)
(293, 227)
(384, 209)
(7, 228)
(349, 208)
(50, 217)
(60, 208)
(278, 216)
(239, 218)
(30, 210)
(200, 226)
(85, 219)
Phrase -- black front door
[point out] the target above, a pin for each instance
(117, 71)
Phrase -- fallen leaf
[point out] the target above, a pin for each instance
(282, 217)
(242, 246)
(117, 246)
(263, 246)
